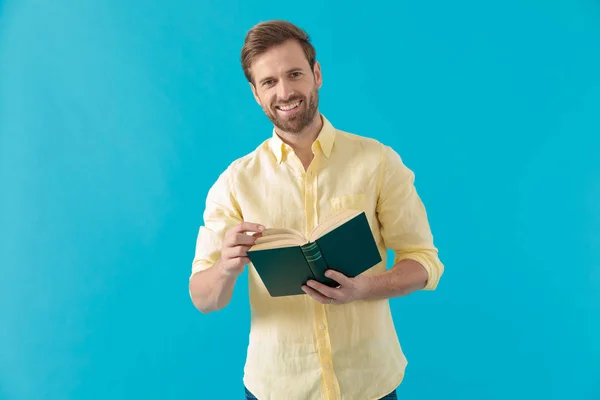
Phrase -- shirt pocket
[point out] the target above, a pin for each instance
(357, 201)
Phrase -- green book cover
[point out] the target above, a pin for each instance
(284, 259)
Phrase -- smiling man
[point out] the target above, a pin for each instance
(332, 343)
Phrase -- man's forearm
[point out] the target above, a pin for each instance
(406, 277)
(212, 289)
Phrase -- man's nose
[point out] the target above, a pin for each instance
(284, 90)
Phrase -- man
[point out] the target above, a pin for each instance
(332, 343)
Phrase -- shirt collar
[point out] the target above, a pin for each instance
(324, 141)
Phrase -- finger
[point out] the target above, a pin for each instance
(248, 227)
(244, 260)
(235, 252)
(243, 239)
(338, 277)
(239, 261)
(237, 239)
(325, 290)
(315, 295)
(241, 251)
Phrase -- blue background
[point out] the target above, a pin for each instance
(116, 117)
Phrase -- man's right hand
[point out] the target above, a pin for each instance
(235, 245)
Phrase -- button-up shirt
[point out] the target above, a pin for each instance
(299, 348)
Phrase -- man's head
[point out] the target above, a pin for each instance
(280, 64)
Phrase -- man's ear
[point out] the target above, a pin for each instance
(254, 93)
(318, 76)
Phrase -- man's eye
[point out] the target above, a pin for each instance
(295, 74)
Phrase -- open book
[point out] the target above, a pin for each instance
(285, 259)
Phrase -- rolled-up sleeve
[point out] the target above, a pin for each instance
(403, 219)
(221, 213)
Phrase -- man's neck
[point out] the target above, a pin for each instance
(302, 142)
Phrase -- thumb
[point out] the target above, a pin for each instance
(337, 276)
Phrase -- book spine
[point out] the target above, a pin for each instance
(315, 260)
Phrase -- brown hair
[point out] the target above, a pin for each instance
(272, 33)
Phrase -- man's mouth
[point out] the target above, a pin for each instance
(289, 108)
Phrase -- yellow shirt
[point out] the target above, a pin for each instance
(299, 348)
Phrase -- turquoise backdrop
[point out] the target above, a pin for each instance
(117, 116)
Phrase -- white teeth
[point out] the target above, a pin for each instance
(289, 107)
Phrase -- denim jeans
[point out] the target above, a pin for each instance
(389, 396)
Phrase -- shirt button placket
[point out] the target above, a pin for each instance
(323, 340)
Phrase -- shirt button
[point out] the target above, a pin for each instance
(326, 366)
(322, 326)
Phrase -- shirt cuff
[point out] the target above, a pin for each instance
(430, 262)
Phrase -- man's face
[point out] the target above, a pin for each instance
(286, 88)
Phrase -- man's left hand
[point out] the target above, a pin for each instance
(349, 290)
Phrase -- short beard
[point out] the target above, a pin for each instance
(297, 123)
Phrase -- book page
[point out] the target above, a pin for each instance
(278, 243)
(279, 237)
(279, 231)
(331, 223)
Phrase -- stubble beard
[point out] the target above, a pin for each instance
(295, 124)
